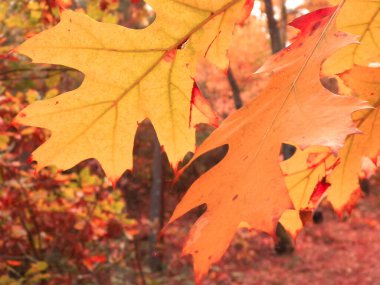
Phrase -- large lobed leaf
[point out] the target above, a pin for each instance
(130, 75)
(247, 186)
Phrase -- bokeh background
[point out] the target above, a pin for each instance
(74, 227)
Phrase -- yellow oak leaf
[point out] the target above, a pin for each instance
(304, 172)
(359, 17)
(130, 75)
(247, 186)
(365, 83)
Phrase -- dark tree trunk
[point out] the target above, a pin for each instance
(155, 214)
(274, 31)
(235, 89)
(284, 23)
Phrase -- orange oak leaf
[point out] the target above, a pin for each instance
(247, 186)
(130, 75)
(365, 83)
(362, 18)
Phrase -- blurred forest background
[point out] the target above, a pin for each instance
(74, 227)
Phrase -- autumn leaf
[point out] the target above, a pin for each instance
(247, 186)
(14, 262)
(304, 174)
(365, 83)
(359, 17)
(130, 75)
